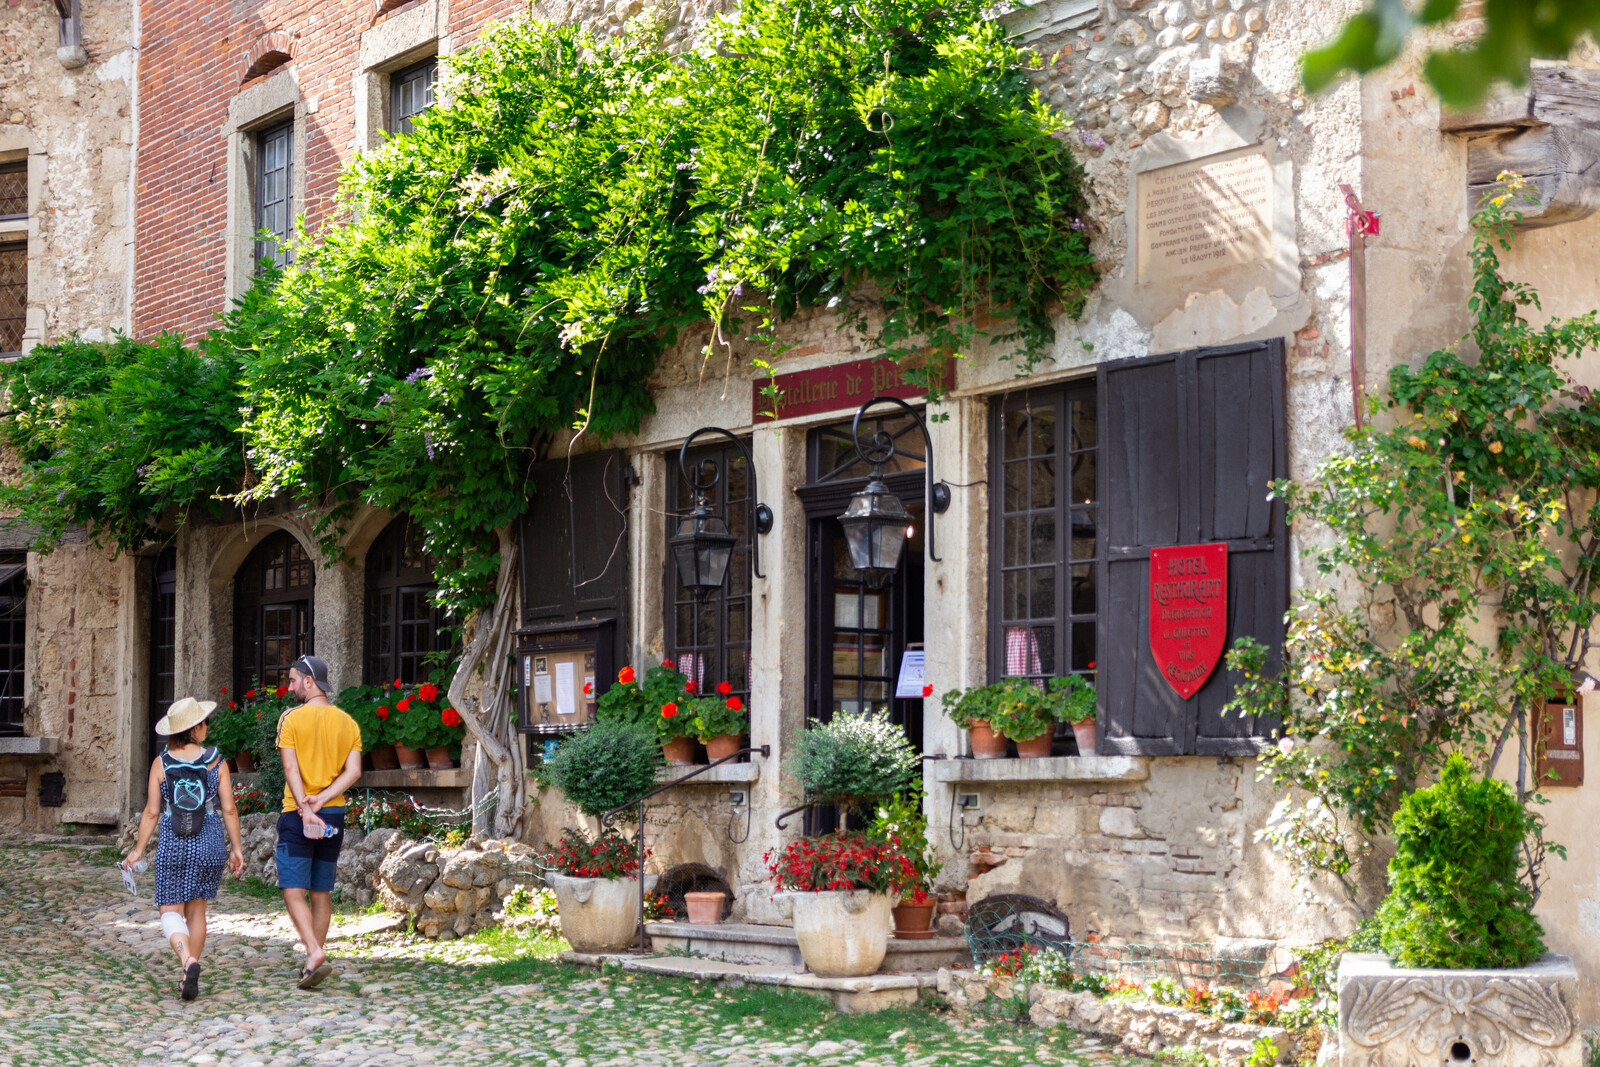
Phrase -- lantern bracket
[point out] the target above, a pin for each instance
(882, 450)
(761, 515)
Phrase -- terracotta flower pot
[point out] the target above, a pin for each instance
(1084, 733)
(914, 922)
(383, 758)
(244, 761)
(723, 746)
(597, 914)
(1038, 748)
(843, 934)
(986, 742)
(439, 759)
(705, 909)
(679, 751)
(410, 759)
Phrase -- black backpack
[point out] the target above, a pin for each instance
(189, 792)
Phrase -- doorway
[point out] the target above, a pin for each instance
(857, 634)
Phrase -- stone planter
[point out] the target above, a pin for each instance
(597, 914)
(914, 922)
(1516, 1017)
(705, 909)
(410, 759)
(439, 759)
(679, 752)
(842, 934)
(383, 758)
(1038, 748)
(986, 743)
(1083, 733)
(723, 745)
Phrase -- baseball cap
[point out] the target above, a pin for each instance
(317, 669)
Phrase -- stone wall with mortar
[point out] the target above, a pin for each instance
(74, 124)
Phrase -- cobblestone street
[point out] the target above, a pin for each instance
(86, 978)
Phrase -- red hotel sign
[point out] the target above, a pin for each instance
(1188, 613)
(839, 387)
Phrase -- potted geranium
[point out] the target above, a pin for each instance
(428, 726)
(720, 721)
(971, 709)
(658, 701)
(901, 823)
(845, 884)
(371, 707)
(596, 882)
(231, 729)
(1073, 702)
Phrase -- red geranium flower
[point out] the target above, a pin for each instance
(735, 704)
(927, 691)
(428, 692)
(450, 717)
(668, 710)
(1091, 665)
(232, 704)
(281, 692)
(724, 688)
(404, 705)
(691, 686)
(397, 683)
(250, 694)
(224, 690)
(588, 687)
(669, 665)
(625, 675)
(383, 711)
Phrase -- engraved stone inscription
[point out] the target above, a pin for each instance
(1206, 214)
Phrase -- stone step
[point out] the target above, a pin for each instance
(777, 946)
(873, 992)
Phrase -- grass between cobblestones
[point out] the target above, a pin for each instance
(86, 979)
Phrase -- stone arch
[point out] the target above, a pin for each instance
(693, 878)
(362, 531)
(271, 50)
(231, 553)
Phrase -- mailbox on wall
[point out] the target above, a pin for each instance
(1558, 734)
(562, 669)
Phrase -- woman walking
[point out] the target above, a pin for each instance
(191, 798)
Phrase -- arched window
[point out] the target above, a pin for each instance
(404, 628)
(272, 623)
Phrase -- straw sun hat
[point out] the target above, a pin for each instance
(183, 715)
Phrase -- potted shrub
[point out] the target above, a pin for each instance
(970, 709)
(720, 722)
(842, 887)
(1073, 702)
(596, 882)
(1020, 709)
(901, 823)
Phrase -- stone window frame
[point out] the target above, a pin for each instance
(256, 108)
(400, 42)
(16, 144)
(427, 72)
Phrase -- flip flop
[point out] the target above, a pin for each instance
(310, 979)
(191, 982)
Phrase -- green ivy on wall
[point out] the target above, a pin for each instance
(518, 265)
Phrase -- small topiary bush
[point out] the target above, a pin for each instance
(606, 766)
(1455, 899)
(855, 760)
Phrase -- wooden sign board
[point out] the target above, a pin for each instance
(839, 387)
(1188, 613)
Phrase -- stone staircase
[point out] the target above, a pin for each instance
(777, 946)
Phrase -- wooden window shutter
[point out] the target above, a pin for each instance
(1189, 443)
(575, 540)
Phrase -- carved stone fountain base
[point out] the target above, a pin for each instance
(1397, 1017)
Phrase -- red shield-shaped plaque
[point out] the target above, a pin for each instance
(1188, 613)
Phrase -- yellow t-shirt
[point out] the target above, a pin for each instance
(322, 737)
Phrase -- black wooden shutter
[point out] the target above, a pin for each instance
(1189, 442)
(575, 540)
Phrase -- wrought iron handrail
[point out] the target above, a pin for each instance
(609, 817)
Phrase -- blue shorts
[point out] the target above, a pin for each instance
(304, 863)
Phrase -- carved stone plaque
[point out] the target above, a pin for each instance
(1395, 1017)
(1205, 215)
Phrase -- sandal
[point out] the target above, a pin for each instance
(191, 982)
(310, 979)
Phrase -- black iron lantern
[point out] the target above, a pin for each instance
(876, 523)
(875, 526)
(703, 545)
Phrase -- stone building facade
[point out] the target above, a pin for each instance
(246, 116)
(68, 124)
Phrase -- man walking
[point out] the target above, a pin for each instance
(321, 748)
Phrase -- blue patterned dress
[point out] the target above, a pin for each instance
(189, 868)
